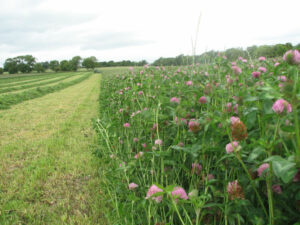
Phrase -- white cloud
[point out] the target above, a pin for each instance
(141, 29)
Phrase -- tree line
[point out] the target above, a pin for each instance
(232, 54)
(27, 64)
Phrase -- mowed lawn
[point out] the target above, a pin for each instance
(48, 174)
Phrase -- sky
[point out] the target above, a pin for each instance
(141, 29)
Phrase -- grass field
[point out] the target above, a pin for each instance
(11, 83)
(47, 172)
(46, 83)
(7, 100)
(19, 76)
(202, 144)
(32, 84)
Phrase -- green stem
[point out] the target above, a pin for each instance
(295, 106)
(249, 177)
(176, 209)
(197, 217)
(270, 197)
(276, 129)
(187, 216)
(297, 132)
(226, 200)
(132, 212)
(161, 159)
(253, 185)
(149, 214)
(111, 197)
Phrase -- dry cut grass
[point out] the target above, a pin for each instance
(47, 172)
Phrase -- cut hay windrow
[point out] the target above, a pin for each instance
(12, 83)
(39, 84)
(22, 77)
(8, 100)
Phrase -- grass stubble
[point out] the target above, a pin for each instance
(47, 172)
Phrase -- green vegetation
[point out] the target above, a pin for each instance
(38, 67)
(121, 63)
(23, 64)
(214, 140)
(8, 100)
(47, 172)
(38, 84)
(231, 54)
(90, 62)
(27, 63)
(109, 71)
(54, 65)
(4, 83)
(214, 143)
(25, 77)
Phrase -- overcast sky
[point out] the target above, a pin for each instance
(141, 29)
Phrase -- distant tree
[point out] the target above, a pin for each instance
(252, 51)
(179, 60)
(90, 62)
(288, 45)
(24, 68)
(46, 65)
(1, 70)
(39, 67)
(264, 50)
(65, 65)
(30, 61)
(157, 62)
(54, 65)
(11, 66)
(25, 63)
(209, 57)
(102, 64)
(75, 63)
(142, 63)
(234, 53)
(279, 49)
(111, 63)
(124, 63)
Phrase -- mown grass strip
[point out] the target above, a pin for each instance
(20, 77)
(47, 172)
(12, 99)
(39, 84)
(28, 81)
(17, 83)
(71, 78)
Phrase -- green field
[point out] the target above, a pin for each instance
(7, 100)
(20, 77)
(48, 174)
(152, 145)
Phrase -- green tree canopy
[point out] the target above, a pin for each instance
(46, 65)
(75, 63)
(90, 62)
(65, 65)
(11, 66)
(39, 67)
(23, 64)
(54, 65)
